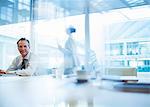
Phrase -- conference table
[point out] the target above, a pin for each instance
(47, 91)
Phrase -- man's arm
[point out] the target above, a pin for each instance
(65, 50)
(13, 65)
(31, 68)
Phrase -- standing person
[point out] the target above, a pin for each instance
(25, 63)
(71, 61)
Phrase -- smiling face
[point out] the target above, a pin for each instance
(23, 47)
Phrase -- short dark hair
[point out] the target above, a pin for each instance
(23, 39)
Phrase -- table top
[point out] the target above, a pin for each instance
(46, 91)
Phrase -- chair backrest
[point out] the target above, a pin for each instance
(121, 71)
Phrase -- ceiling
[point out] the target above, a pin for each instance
(76, 7)
(130, 30)
(60, 8)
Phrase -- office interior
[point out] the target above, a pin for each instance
(110, 33)
(112, 38)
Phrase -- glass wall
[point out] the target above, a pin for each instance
(117, 38)
(128, 44)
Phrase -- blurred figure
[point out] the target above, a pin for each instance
(25, 63)
(71, 61)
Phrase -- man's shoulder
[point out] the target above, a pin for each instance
(18, 57)
(33, 55)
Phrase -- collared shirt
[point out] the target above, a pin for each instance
(15, 67)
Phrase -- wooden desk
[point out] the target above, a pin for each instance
(45, 91)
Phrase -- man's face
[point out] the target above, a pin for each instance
(23, 47)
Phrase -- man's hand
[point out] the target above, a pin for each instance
(2, 71)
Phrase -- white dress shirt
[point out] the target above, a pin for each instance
(15, 67)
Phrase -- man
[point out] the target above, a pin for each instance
(25, 64)
(71, 61)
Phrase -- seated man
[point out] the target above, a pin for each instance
(24, 64)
